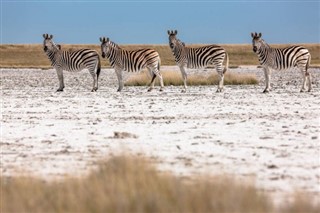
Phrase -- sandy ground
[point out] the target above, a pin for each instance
(272, 139)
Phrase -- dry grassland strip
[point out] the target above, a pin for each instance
(32, 55)
(173, 78)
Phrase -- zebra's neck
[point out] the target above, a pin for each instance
(263, 52)
(53, 55)
(179, 52)
(112, 55)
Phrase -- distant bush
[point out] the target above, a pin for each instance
(174, 78)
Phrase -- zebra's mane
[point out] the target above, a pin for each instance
(180, 42)
(55, 45)
(54, 50)
(114, 45)
(264, 43)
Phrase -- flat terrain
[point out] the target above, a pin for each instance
(271, 139)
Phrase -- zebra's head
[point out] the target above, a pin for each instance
(256, 41)
(48, 44)
(173, 41)
(104, 46)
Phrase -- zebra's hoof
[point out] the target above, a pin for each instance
(59, 90)
(94, 89)
(161, 90)
(150, 89)
(265, 91)
(219, 90)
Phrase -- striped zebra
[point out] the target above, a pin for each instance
(200, 57)
(131, 61)
(72, 61)
(280, 59)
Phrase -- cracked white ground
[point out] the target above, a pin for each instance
(271, 139)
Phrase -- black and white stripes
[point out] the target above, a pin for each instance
(131, 61)
(185, 57)
(201, 57)
(280, 59)
(72, 61)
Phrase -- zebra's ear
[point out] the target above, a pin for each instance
(169, 32)
(107, 40)
(102, 39)
(44, 36)
(51, 36)
(252, 35)
(59, 46)
(175, 32)
(260, 34)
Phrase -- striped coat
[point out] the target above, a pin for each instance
(72, 61)
(131, 61)
(196, 58)
(281, 59)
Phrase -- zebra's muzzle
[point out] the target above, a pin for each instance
(255, 49)
(45, 48)
(103, 55)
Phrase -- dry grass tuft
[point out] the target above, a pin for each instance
(125, 184)
(174, 78)
(129, 185)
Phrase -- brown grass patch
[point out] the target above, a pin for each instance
(174, 78)
(130, 185)
(125, 184)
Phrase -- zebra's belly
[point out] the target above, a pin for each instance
(73, 69)
(194, 66)
(276, 67)
(129, 69)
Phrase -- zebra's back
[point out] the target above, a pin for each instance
(79, 59)
(285, 58)
(135, 60)
(203, 56)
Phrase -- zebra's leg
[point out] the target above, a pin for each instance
(184, 77)
(161, 81)
(120, 80)
(267, 74)
(95, 81)
(309, 81)
(152, 82)
(153, 76)
(155, 73)
(221, 77)
(95, 72)
(61, 82)
(304, 81)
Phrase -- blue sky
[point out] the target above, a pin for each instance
(147, 22)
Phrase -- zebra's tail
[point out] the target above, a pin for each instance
(227, 64)
(99, 67)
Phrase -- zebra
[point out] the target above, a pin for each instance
(72, 61)
(280, 59)
(131, 61)
(201, 57)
